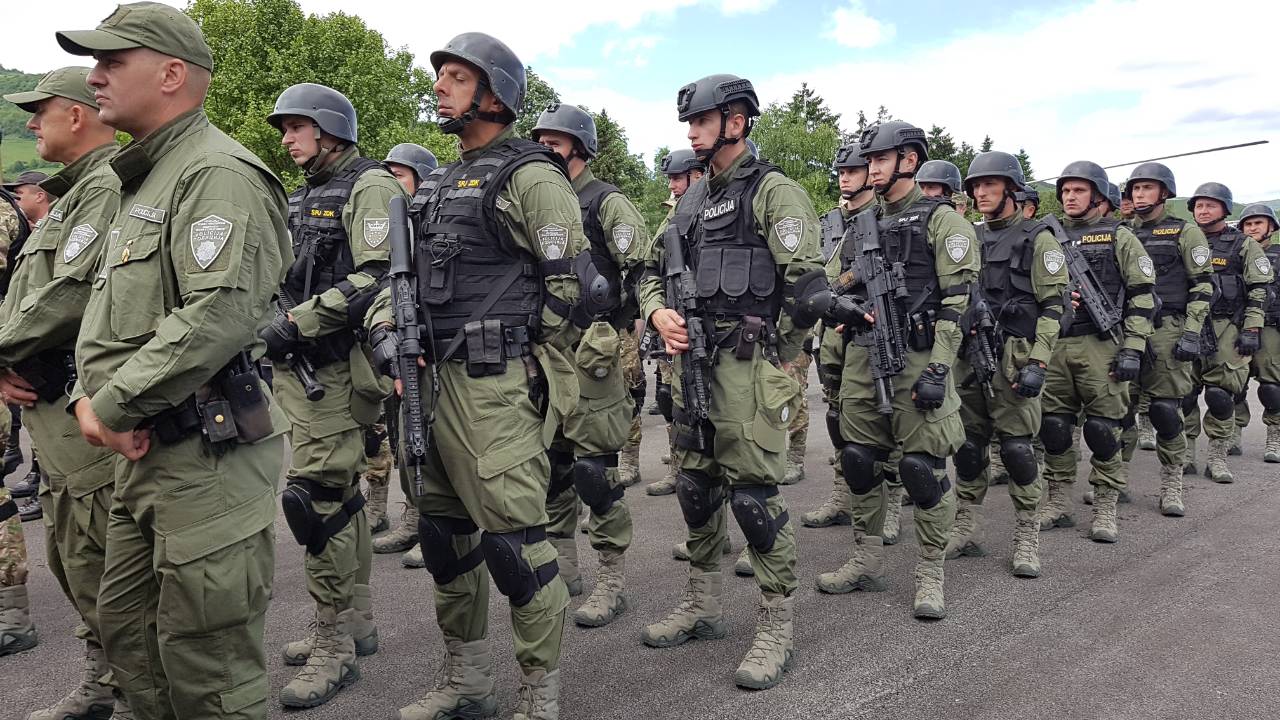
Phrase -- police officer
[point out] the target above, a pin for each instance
(745, 227)
(584, 461)
(1030, 201)
(47, 292)
(1112, 204)
(410, 163)
(939, 178)
(496, 286)
(1260, 224)
(166, 381)
(937, 247)
(1023, 275)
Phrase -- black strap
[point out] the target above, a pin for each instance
(490, 300)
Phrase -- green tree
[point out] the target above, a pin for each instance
(613, 162)
(655, 193)
(987, 144)
(941, 145)
(804, 154)
(536, 99)
(811, 109)
(1025, 161)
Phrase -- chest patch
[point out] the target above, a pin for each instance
(789, 232)
(623, 234)
(957, 247)
(56, 214)
(208, 238)
(80, 237)
(146, 212)
(1146, 266)
(1263, 265)
(1200, 254)
(553, 239)
(1053, 261)
(376, 230)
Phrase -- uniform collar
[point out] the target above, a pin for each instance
(584, 178)
(66, 178)
(912, 197)
(138, 157)
(1139, 221)
(719, 180)
(1070, 222)
(507, 133)
(848, 210)
(340, 163)
(1009, 221)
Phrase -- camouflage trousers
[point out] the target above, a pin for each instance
(633, 376)
(798, 431)
(378, 466)
(13, 548)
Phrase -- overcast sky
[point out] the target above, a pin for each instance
(1108, 81)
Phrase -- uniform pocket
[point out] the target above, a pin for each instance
(597, 358)
(777, 401)
(134, 283)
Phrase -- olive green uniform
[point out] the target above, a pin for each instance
(1266, 362)
(188, 270)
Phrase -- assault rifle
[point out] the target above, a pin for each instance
(299, 363)
(886, 288)
(1106, 315)
(980, 346)
(682, 296)
(405, 310)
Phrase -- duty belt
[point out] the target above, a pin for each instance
(51, 373)
(515, 343)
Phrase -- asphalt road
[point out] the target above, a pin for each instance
(1174, 621)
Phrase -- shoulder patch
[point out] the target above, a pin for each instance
(1200, 254)
(80, 237)
(1147, 267)
(148, 213)
(1263, 265)
(789, 231)
(957, 247)
(622, 236)
(502, 203)
(553, 239)
(1054, 260)
(208, 238)
(376, 231)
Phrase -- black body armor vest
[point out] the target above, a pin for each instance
(1097, 244)
(589, 202)
(1272, 314)
(905, 239)
(1172, 285)
(319, 240)
(1008, 255)
(1230, 293)
(833, 227)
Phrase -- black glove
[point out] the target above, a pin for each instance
(1188, 347)
(931, 388)
(281, 337)
(1249, 341)
(848, 311)
(1030, 380)
(1127, 365)
(386, 351)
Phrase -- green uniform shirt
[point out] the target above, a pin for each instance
(9, 229)
(1129, 258)
(1048, 279)
(624, 229)
(51, 283)
(1257, 278)
(190, 264)
(1194, 246)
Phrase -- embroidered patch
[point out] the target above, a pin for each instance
(622, 236)
(553, 239)
(56, 214)
(502, 204)
(208, 238)
(150, 214)
(1263, 265)
(376, 230)
(80, 237)
(957, 247)
(785, 415)
(1053, 261)
(1200, 254)
(789, 232)
(1146, 266)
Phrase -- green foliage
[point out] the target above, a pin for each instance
(655, 193)
(1025, 161)
(17, 143)
(539, 95)
(613, 163)
(802, 137)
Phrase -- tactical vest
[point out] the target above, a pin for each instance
(1097, 244)
(1172, 285)
(1008, 255)
(425, 190)
(589, 201)
(319, 239)
(15, 244)
(905, 239)
(1273, 293)
(462, 253)
(833, 227)
(1230, 293)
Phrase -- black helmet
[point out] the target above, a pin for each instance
(679, 162)
(421, 160)
(572, 121)
(941, 172)
(1113, 195)
(329, 109)
(849, 156)
(1212, 191)
(1030, 194)
(1152, 171)
(1090, 172)
(501, 71)
(715, 91)
(994, 164)
(1260, 210)
(893, 134)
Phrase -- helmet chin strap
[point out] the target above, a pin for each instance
(455, 125)
(721, 140)
(897, 173)
(316, 163)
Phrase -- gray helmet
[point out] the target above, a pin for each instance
(1030, 194)
(1152, 171)
(1260, 210)
(849, 156)
(1212, 191)
(1113, 195)
(679, 162)
(715, 91)
(329, 109)
(995, 164)
(502, 72)
(893, 134)
(1090, 172)
(941, 172)
(421, 160)
(572, 121)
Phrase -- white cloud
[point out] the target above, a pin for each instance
(853, 27)
(745, 7)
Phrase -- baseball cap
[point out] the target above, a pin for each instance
(30, 177)
(153, 25)
(68, 82)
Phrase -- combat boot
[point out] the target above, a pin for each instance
(33, 510)
(837, 510)
(404, 536)
(1189, 467)
(1171, 491)
(966, 533)
(330, 667)
(464, 688)
(1104, 528)
(412, 558)
(742, 567)
(567, 558)
(930, 603)
(607, 600)
(375, 507)
(1217, 469)
(1123, 499)
(770, 653)
(91, 700)
(356, 621)
(1235, 448)
(629, 465)
(1056, 511)
(698, 616)
(864, 571)
(29, 485)
(16, 631)
(1271, 453)
(539, 695)
(680, 551)
(795, 463)
(665, 486)
(1026, 545)
(892, 514)
(1146, 433)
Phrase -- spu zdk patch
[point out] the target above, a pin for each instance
(1146, 266)
(622, 236)
(80, 237)
(208, 238)
(1053, 261)
(376, 231)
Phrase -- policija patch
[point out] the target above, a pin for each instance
(80, 237)
(208, 238)
(1199, 254)
(1053, 261)
(622, 236)
(789, 232)
(1146, 266)
(553, 239)
(1263, 265)
(376, 230)
(957, 247)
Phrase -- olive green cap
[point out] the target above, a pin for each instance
(71, 83)
(157, 26)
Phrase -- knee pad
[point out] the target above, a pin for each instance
(512, 574)
(700, 497)
(311, 529)
(917, 473)
(1191, 402)
(971, 459)
(1220, 403)
(436, 534)
(1166, 418)
(591, 480)
(1019, 459)
(561, 472)
(1100, 436)
(859, 465)
(1055, 432)
(751, 510)
(663, 397)
(1269, 396)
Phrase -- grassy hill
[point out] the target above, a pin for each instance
(18, 150)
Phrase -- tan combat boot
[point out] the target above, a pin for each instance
(1235, 448)
(567, 559)
(1026, 545)
(770, 653)
(16, 631)
(91, 700)
(1146, 433)
(404, 536)
(539, 695)
(667, 485)
(864, 571)
(795, 463)
(1217, 469)
(996, 470)
(356, 621)
(742, 567)
(892, 514)
(1271, 453)
(464, 686)
(375, 507)
(930, 603)
(330, 667)
(680, 551)
(1171, 491)
(629, 465)
(1056, 510)
(698, 616)
(837, 510)
(412, 558)
(607, 600)
(1104, 528)
(966, 533)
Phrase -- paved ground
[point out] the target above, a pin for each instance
(1175, 621)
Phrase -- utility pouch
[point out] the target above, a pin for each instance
(747, 339)
(921, 335)
(485, 343)
(242, 392)
(219, 423)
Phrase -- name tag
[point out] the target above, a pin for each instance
(150, 214)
